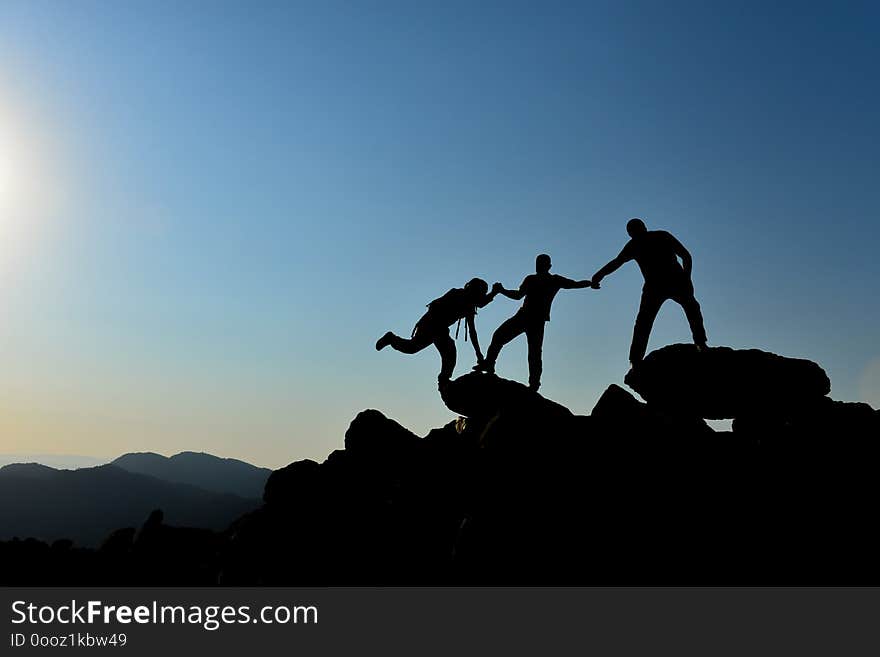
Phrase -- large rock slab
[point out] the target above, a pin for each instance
(722, 383)
(483, 396)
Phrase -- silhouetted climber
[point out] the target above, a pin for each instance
(539, 290)
(433, 327)
(657, 253)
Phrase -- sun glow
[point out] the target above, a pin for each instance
(20, 170)
(7, 170)
(29, 183)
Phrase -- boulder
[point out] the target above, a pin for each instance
(293, 484)
(621, 413)
(483, 396)
(722, 383)
(371, 435)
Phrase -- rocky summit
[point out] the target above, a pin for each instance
(517, 489)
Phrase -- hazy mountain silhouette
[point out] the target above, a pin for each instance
(85, 505)
(220, 475)
(60, 461)
(520, 490)
(27, 471)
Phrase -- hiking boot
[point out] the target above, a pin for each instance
(534, 385)
(384, 341)
(702, 347)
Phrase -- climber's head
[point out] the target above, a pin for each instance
(476, 288)
(636, 227)
(542, 263)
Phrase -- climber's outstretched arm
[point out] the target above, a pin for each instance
(622, 258)
(486, 300)
(568, 284)
(472, 330)
(516, 295)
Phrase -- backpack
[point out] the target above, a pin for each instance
(447, 309)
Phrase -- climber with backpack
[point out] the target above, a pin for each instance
(433, 327)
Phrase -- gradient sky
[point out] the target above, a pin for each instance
(210, 211)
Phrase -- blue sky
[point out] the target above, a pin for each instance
(246, 195)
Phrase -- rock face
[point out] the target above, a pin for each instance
(727, 383)
(622, 412)
(386, 509)
(524, 492)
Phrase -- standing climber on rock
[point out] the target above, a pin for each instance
(433, 327)
(539, 290)
(657, 253)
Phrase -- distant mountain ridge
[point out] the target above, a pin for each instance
(87, 504)
(29, 470)
(212, 473)
(58, 461)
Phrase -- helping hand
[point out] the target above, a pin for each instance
(496, 288)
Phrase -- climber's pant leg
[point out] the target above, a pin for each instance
(691, 306)
(508, 330)
(535, 336)
(413, 345)
(648, 309)
(446, 346)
